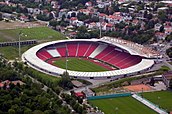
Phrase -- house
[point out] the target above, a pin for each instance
(34, 11)
(72, 19)
(114, 19)
(7, 16)
(109, 27)
(106, 26)
(72, 13)
(62, 12)
(157, 27)
(102, 16)
(166, 77)
(72, 35)
(84, 11)
(92, 25)
(162, 9)
(24, 18)
(54, 4)
(168, 29)
(103, 4)
(88, 4)
(160, 35)
(7, 82)
(135, 22)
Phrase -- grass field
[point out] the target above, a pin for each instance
(122, 105)
(39, 33)
(78, 64)
(44, 76)
(161, 98)
(11, 52)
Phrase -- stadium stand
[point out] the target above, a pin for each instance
(62, 50)
(104, 52)
(139, 49)
(128, 62)
(98, 50)
(53, 52)
(72, 48)
(83, 47)
(44, 54)
(90, 49)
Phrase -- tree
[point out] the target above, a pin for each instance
(38, 112)
(65, 81)
(27, 111)
(169, 52)
(1, 17)
(11, 111)
(169, 38)
(162, 15)
(53, 23)
(170, 84)
(152, 81)
(161, 29)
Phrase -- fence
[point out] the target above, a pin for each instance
(109, 96)
(26, 42)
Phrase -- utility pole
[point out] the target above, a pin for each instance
(19, 44)
(66, 59)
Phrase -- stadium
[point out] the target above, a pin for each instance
(116, 58)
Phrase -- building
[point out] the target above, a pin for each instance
(88, 92)
(79, 95)
(166, 78)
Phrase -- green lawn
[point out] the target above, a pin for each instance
(78, 64)
(125, 105)
(39, 33)
(44, 76)
(11, 52)
(161, 98)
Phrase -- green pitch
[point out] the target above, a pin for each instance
(78, 64)
(39, 33)
(122, 105)
(161, 98)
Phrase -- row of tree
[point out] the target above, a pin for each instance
(28, 98)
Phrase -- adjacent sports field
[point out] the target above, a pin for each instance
(39, 33)
(122, 105)
(79, 64)
(161, 98)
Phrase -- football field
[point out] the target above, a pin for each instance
(161, 98)
(38, 33)
(79, 64)
(121, 105)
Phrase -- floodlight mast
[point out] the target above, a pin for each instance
(66, 59)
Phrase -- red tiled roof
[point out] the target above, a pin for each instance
(102, 14)
(79, 94)
(109, 25)
(73, 18)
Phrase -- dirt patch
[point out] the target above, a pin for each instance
(137, 88)
(18, 24)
